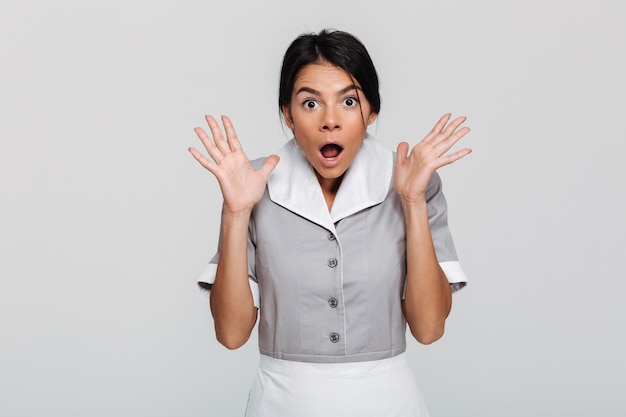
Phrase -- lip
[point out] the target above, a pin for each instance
(330, 162)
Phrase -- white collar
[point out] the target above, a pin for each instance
(294, 185)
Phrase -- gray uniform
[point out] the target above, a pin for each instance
(330, 284)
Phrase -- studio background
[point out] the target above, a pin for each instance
(106, 220)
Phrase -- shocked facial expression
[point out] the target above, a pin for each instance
(328, 115)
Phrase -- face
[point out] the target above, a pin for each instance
(328, 115)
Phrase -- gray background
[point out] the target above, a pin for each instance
(105, 220)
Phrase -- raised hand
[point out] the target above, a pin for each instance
(241, 185)
(413, 170)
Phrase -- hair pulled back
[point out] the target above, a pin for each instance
(336, 47)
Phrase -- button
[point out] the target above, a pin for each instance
(332, 302)
(331, 236)
(332, 262)
(334, 337)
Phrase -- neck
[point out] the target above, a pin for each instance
(330, 186)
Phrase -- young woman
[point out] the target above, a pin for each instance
(337, 241)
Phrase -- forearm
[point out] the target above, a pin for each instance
(232, 304)
(428, 298)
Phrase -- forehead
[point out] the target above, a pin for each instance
(323, 76)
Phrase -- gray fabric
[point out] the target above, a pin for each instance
(333, 292)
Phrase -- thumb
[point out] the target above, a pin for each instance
(269, 165)
(403, 150)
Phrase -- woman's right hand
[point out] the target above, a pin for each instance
(242, 186)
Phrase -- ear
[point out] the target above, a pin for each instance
(287, 116)
(372, 118)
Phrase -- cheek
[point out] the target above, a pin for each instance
(304, 125)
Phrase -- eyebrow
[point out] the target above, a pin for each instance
(317, 93)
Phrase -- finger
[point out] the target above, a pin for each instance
(233, 140)
(218, 137)
(403, 151)
(448, 142)
(210, 147)
(203, 160)
(454, 125)
(453, 157)
(437, 128)
(441, 123)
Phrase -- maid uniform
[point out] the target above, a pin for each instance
(329, 288)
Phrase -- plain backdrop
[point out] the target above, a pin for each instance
(106, 220)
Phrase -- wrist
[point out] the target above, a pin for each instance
(415, 212)
(417, 203)
(236, 217)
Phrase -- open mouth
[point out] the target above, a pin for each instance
(331, 150)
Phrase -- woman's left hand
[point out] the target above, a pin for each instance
(413, 170)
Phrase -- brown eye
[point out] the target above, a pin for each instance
(310, 104)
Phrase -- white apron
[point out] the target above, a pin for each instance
(379, 388)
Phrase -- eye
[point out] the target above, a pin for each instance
(310, 104)
(350, 101)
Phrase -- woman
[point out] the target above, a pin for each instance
(338, 245)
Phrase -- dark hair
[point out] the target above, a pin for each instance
(336, 47)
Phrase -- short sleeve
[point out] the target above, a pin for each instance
(442, 238)
(207, 277)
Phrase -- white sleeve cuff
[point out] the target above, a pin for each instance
(207, 278)
(455, 274)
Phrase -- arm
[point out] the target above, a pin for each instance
(234, 313)
(428, 298)
(232, 307)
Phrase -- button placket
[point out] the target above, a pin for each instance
(333, 303)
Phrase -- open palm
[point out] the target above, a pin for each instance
(242, 186)
(413, 170)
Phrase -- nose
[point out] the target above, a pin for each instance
(330, 119)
